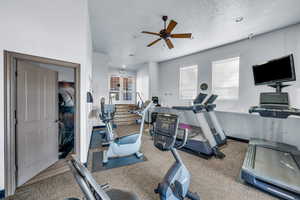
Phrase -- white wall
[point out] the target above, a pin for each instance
(153, 69)
(100, 77)
(147, 80)
(143, 82)
(101, 73)
(57, 29)
(257, 50)
(88, 54)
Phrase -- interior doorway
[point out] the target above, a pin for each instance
(41, 117)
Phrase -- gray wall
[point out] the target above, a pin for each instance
(253, 51)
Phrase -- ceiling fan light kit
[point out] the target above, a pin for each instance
(166, 33)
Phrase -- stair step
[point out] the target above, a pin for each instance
(125, 119)
(125, 115)
(129, 106)
(126, 123)
(122, 111)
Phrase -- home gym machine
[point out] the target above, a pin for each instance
(120, 146)
(91, 189)
(175, 185)
(272, 166)
(207, 143)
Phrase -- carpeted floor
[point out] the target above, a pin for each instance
(213, 179)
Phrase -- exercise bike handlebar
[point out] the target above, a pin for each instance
(91, 189)
(185, 137)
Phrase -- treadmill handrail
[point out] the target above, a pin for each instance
(195, 108)
(211, 99)
(281, 112)
(186, 108)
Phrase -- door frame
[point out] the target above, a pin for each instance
(121, 91)
(10, 111)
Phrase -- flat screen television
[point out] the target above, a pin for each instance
(275, 71)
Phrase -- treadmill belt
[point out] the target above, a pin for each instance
(280, 167)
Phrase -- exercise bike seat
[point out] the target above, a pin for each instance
(128, 139)
(116, 194)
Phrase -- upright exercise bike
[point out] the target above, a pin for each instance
(175, 185)
(121, 146)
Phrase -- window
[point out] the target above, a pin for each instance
(188, 82)
(225, 78)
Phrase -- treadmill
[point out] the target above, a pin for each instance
(272, 166)
(206, 144)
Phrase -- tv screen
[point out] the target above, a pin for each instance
(274, 71)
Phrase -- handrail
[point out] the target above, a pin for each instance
(139, 96)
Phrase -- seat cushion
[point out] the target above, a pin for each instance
(115, 194)
(128, 139)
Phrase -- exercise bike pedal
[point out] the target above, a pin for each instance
(105, 186)
(192, 195)
(139, 155)
(156, 190)
(218, 154)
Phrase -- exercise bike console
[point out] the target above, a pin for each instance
(165, 131)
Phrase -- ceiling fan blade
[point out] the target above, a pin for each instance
(151, 33)
(169, 43)
(181, 35)
(171, 26)
(152, 43)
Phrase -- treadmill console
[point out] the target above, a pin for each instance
(209, 102)
(165, 131)
(274, 99)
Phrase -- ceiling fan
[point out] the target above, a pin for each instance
(166, 33)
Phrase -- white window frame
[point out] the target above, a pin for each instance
(216, 90)
(180, 81)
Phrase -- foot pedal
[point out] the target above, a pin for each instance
(218, 154)
(105, 186)
(192, 196)
(157, 189)
(139, 155)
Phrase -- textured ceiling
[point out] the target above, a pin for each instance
(116, 25)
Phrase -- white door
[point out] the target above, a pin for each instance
(37, 114)
(122, 89)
